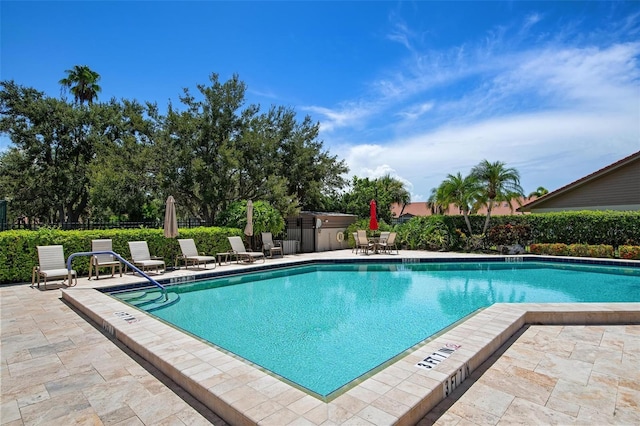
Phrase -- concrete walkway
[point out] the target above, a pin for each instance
(60, 369)
(553, 375)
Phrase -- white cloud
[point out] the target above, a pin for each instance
(416, 111)
(401, 33)
(543, 147)
(529, 22)
(556, 112)
(350, 114)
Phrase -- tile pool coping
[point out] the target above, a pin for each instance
(400, 393)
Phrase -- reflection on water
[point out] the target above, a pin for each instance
(323, 326)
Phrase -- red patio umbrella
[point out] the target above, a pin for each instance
(373, 220)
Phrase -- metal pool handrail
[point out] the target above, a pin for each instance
(121, 259)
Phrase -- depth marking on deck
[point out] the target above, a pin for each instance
(130, 319)
(438, 356)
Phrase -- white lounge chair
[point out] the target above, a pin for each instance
(51, 264)
(241, 253)
(103, 260)
(191, 255)
(141, 258)
(269, 246)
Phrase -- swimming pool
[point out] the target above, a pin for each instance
(320, 327)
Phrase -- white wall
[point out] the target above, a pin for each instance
(326, 239)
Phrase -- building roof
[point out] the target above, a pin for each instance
(421, 208)
(313, 213)
(580, 182)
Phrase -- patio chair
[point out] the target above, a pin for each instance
(191, 255)
(141, 258)
(241, 253)
(363, 242)
(384, 235)
(51, 264)
(268, 245)
(103, 260)
(389, 244)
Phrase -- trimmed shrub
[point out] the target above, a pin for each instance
(557, 249)
(502, 235)
(18, 253)
(577, 250)
(586, 250)
(629, 252)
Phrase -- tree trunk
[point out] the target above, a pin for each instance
(486, 222)
(466, 219)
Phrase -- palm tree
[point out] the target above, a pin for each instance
(539, 192)
(395, 189)
(433, 202)
(462, 192)
(391, 190)
(499, 183)
(83, 83)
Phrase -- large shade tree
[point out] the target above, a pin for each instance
(123, 180)
(385, 190)
(195, 147)
(82, 82)
(66, 163)
(53, 144)
(312, 174)
(120, 159)
(218, 151)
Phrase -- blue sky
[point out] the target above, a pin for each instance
(414, 89)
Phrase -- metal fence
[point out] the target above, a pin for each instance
(291, 238)
(89, 225)
(3, 215)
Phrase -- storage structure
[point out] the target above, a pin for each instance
(317, 231)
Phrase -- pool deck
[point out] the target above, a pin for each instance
(70, 356)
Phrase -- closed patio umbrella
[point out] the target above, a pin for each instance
(248, 230)
(373, 219)
(170, 219)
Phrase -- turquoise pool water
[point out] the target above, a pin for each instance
(323, 326)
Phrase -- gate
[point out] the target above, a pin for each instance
(301, 229)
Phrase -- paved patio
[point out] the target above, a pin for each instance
(60, 368)
(553, 375)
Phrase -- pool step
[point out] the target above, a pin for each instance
(173, 298)
(149, 300)
(131, 296)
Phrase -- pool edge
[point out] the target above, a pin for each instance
(400, 394)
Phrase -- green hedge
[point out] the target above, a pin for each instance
(577, 250)
(580, 227)
(18, 253)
